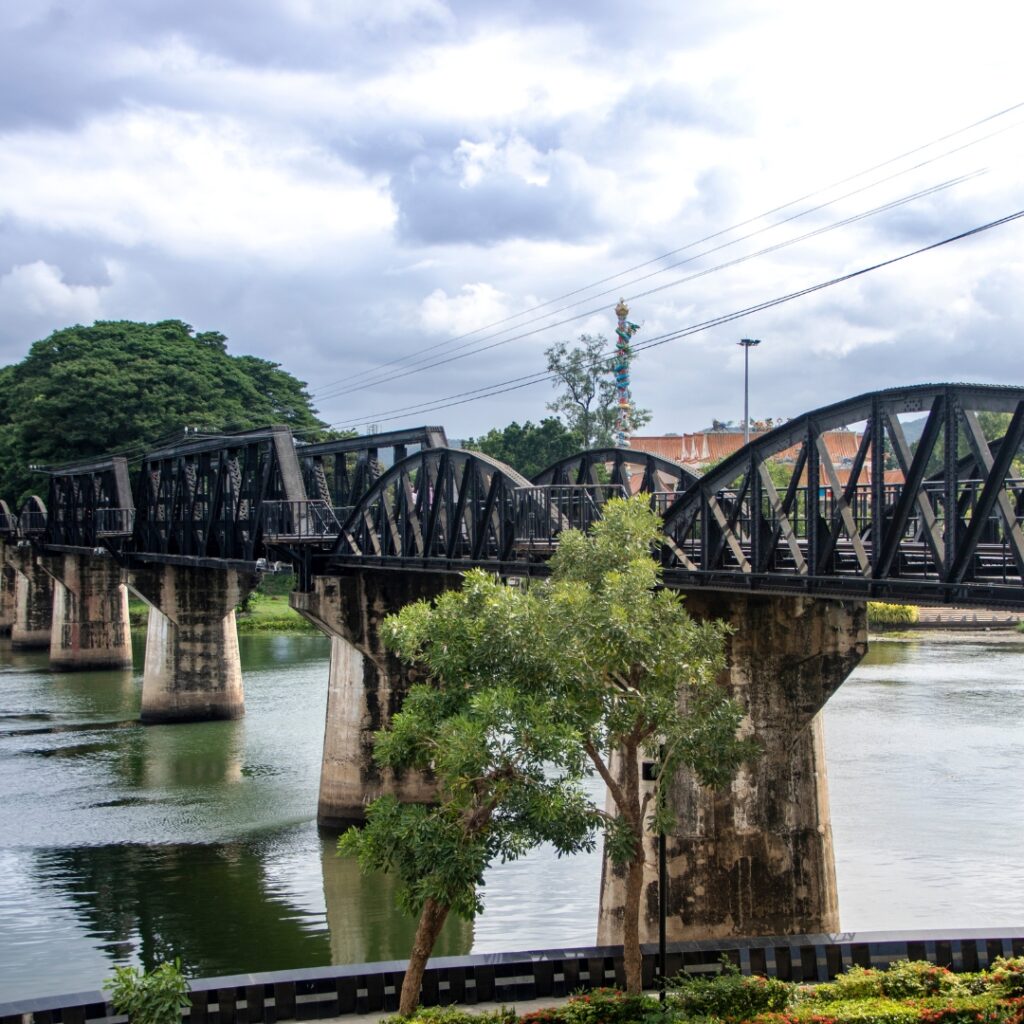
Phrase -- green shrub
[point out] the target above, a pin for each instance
(154, 998)
(906, 979)
(856, 983)
(729, 995)
(1007, 975)
(880, 614)
(455, 1015)
(948, 1009)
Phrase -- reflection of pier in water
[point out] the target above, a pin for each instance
(363, 918)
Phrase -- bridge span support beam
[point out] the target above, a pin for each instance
(366, 687)
(90, 613)
(33, 599)
(757, 858)
(192, 671)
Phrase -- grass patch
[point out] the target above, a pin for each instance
(266, 613)
(271, 613)
(891, 616)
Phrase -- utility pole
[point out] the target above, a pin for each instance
(748, 344)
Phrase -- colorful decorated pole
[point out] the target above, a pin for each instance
(620, 366)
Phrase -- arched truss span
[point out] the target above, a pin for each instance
(440, 504)
(8, 522)
(937, 514)
(635, 471)
(32, 517)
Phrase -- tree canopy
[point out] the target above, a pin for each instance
(86, 391)
(588, 399)
(528, 685)
(531, 447)
(508, 772)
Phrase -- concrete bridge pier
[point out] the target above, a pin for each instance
(192, 671)
(757, 859)
(367, 685)
(90, 613)
(33, 599)
(8, 596)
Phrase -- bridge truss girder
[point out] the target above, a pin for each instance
(950, 530)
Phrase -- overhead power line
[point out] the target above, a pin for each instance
(517, 383)
(351, 382)
(632, 297)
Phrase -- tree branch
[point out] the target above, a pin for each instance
(617, 792)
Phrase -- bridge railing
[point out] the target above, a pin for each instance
(300, 521)
(114, 522)
(543, 512)
(32, 523)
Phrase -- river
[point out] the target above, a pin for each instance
(124, 844)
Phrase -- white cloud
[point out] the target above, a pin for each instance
(189, 184)
(474, 307)
(39, 289)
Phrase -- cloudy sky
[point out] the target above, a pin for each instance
(403, 201)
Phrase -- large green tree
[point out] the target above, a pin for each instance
(631, 674)
(118, 385)
(600, 664)
(531, 447)
(508, 771)
(587, 399)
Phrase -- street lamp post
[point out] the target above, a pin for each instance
(748, 344)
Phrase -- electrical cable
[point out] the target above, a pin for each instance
(845, 222)
(717, 234)
(515, 384)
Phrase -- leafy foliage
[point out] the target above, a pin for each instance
(934, 996)
(154, 998)
(531, 447)
(906, 978)
(729, 995)
(1007, 974)
(84, 391)
(588, 400)
(882, 614)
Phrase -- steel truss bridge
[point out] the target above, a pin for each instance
(932, 519)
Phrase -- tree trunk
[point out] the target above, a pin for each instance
(631, 957)
(432, 919)
(633, 813)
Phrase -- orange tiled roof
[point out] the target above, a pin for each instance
(696, 451)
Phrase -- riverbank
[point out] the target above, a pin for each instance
(264, 613)
(947, 618)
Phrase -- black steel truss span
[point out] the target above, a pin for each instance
(633, 471)
(438, 507)
(949, 529)
(207, 499)
(929, 519)
(338, 473)
(90, 505)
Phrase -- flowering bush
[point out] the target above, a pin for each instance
(1008, 975)
(907, 978)
(856, 983)
(729, 995)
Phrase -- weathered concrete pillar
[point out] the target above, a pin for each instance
(8, 596)
(757, 859)
(366, 687)
(90, 613)
(33, 600)
(192, 671)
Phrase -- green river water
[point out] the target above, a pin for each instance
(124, 844)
